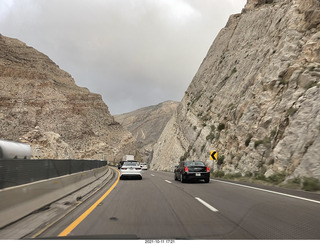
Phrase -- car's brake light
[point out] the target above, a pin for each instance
(123, 168)
(186, 169)
(138, 168)
(208, 170)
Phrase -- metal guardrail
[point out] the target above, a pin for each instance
(15, 172)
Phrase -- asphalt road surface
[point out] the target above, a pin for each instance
(157, 207)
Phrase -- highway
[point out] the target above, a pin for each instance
(157, 207)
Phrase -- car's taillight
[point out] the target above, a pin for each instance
(208, 170)
(123, 168)
(186, 169)
(138, 168)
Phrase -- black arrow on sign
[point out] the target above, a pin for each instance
(213, 155)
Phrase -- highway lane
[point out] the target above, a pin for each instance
(158, 207)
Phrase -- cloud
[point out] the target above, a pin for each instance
(134, 53)
(5, 7)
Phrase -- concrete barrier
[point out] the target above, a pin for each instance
(19, 201)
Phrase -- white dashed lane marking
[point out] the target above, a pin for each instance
(207, 204)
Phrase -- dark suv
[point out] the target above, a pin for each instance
(188, 170)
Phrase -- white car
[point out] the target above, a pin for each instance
(144, 166)
(130, 169)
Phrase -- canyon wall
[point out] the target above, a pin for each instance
(256, 96)
(41, 105)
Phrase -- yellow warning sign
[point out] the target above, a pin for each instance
(213, 155)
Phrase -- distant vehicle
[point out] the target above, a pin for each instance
(14, 150)
(192, 170)
(121, 163)
(144, 166)
(130, 169)
(127, 157)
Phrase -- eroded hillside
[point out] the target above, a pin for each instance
(41, 105)
(146, 125)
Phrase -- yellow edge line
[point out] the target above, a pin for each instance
(69, 211)
(89, 210)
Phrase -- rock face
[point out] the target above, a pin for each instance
(36, 93)
(256, 96)
(146, 125)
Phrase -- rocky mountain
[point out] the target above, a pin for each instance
(40, 104)
(146, 125)
(256, 96)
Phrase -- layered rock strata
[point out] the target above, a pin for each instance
(256, 96)
(146, 125)
(35, 94)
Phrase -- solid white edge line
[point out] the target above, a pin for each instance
(274, 192)
(168, 181)
(207, 204)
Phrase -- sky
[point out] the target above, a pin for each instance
(134, 53)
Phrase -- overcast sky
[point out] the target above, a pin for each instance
(135, 53)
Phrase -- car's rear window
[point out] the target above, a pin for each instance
(194, 164)
(129, 164)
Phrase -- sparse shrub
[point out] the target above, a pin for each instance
(266, 142)
(220, 160)
(234, 70)
(273, 133)
(202, 148)
(218, 174)
(277, 178)
(221, 126)
(310, 184)
(248, 140)
(182, 158)
(232, 176)
(185, 156)
(257, 143)
(260, 177)
(271, 162)
(228, 176)
(206, 118)
(292, 111)
(283, 81)
(210, 137)
(296, 181)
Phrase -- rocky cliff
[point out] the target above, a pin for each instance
(41, 105)
(256, 96)
(146, 125)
